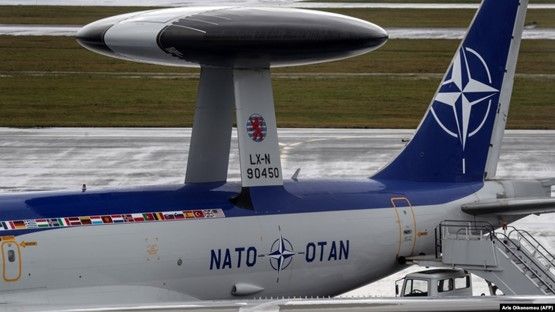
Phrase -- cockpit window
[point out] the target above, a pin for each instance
(416, 288)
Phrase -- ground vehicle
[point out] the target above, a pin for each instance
(435, 283)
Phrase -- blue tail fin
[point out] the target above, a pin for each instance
(459, 138)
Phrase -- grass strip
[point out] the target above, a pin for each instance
(361, 102)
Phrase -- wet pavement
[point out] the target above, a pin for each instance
(61, 158)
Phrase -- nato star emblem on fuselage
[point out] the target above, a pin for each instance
(281, 254)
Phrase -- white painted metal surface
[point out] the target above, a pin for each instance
(213, 123)
(256, 128)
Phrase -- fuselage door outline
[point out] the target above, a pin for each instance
(11, 260)
(407, 225)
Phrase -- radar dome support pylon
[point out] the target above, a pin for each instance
(208, 158)
(250, 91)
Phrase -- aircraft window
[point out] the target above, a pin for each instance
(444, 285)
(462, 282)
(416, 288)
(11, 255)
(408, 287)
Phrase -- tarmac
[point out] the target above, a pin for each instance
(61, 158)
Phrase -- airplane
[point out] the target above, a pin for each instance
(265, 236)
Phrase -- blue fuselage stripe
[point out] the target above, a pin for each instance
(298, 197)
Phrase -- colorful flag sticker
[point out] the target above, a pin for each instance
(74, 221)
(96, 220)
(20, 224)
(62, 221)
(42, 223)
(149, 216)
(158, 216)
(30, 224)
(128, 218)
(169, 216)
(138, 217)
(53, 223)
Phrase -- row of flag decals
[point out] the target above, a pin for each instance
(46, 223)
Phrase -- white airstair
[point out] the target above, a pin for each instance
(515, 262)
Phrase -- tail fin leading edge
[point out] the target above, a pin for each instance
(459, 138)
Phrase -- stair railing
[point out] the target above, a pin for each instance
(535, 245)
(546, 275)
(461, 230)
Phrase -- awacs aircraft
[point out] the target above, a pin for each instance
(266, 237)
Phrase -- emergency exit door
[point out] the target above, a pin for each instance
(407, 225)
(11, 261)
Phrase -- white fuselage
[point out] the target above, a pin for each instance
(324, 253)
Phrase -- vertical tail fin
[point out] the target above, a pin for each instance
(459, 138)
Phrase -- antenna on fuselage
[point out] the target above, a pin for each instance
(295, 176)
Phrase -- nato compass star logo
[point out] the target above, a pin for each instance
(467, 89)
(281, 254)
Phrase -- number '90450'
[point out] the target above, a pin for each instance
(265, 173)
